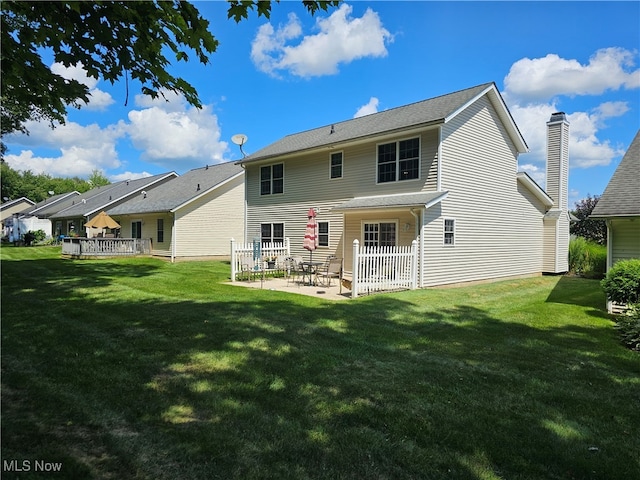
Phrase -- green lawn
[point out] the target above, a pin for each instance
(139, 368)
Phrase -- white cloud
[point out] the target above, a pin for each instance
(172, 131)
(368, 108)
(129, 176)
(168, 133)
(535, 88)
(82, 149)
(542, 78)
(98, 100)
(341, 39)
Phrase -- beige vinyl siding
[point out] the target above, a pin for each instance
(557, 149)
(205, 226)
(624, 235)
(307, 184)
(497, 228)
(550, 248)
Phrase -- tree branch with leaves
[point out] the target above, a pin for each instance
(112, 41)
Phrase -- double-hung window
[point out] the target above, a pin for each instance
(336, 165)
(399, 161)
(323, 234)
(380, 234)
(272, 179)
(160, 230)
(449, 231)
(272, 232)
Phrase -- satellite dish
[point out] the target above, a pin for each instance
(51, 192)
(240, 139)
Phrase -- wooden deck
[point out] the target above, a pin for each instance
(105, 247)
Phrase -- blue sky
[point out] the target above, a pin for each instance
(294, 72)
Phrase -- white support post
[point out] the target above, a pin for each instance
(414, 265)
(356, 261)
(233, 260)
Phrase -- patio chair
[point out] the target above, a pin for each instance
(295, 269)
(332, 270)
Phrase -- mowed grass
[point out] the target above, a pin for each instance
(139, 368)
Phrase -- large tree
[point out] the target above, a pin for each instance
(111, 40)
(589, 228)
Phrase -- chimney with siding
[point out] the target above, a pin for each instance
(556, 220)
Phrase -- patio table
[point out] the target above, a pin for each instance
(310, 269)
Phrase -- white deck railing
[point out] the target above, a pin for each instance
(378, 269)
(107, 247)
(253, 255)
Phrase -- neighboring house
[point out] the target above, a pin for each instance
(192, 215)
(71, 220)
(9, 210)
(442, 172)
(619, 205)
(39, 213)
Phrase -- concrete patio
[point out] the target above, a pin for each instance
(282, 285)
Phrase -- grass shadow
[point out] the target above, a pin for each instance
(211, 380)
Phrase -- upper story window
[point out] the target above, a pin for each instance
(336, 165)
(272, 179)
(399, 160)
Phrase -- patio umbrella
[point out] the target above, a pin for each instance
(102, 220)
(310, 235)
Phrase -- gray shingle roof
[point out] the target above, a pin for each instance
(622, 195)
(401, 200)
(431, 111)
(100, 198)
(51, 205)
(180, 190)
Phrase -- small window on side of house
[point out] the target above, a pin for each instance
(160, 230)
(323, 234)
(449, 231)
(336, 165)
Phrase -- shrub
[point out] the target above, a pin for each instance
(586, 258)
(622, 283)
(628, 327)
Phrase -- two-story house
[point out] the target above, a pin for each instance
(442, 172)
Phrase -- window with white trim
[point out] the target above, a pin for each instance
(272, 232)
(399, 161)
(323, 234)
(160, 230)
(336, 165)
(379, 234)
(449, 231)
(272, 179)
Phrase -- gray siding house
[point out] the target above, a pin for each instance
(619, 205)
(193, 215)
(71, 220)
(442, 172)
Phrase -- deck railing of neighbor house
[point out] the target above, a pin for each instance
(379, 269)
(107, 247)
(254, 255)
